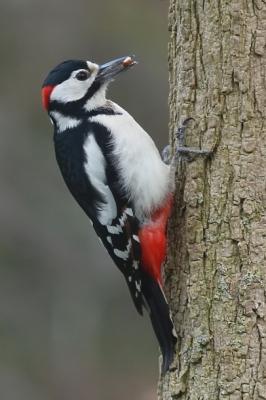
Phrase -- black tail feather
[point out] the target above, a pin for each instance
(160, 316)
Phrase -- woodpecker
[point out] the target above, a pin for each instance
(114, 171)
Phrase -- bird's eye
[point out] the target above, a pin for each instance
(83, 75)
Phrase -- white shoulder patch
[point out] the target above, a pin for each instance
(95, 168)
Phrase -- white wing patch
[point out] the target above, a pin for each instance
(95, 168)
(108, 211)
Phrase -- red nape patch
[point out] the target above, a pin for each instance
(152, 239)
(46, 93)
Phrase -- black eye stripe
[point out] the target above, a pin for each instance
(82, 75)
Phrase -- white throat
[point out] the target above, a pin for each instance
(97, 100)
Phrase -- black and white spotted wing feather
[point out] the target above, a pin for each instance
(124, 249)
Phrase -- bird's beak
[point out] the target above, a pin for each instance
(109, 70)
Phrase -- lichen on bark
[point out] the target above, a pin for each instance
(215, 268)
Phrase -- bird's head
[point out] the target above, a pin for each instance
(75, 84)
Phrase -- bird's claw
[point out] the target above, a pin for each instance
(184, 151)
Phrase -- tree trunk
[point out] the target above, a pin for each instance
(216, 268)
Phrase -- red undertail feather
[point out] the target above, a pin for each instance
(152, 239)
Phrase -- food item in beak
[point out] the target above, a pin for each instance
(127, 61)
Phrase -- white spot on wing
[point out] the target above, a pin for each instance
(109, 239)
(114, 230)
(122, 220)
(129, 211)
(135, 264)
(135, 237)
(95, 168)
(137, 286)
(123, 254)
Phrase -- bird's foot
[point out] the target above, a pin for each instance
(184, 151)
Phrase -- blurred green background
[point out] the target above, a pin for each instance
(68, 327)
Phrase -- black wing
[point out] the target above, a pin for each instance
(120, 235)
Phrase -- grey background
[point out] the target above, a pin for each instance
(68, 328)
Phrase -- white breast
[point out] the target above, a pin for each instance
(144, 176)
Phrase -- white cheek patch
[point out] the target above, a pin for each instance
(72, 89)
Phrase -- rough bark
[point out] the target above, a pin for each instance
(216, 268)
